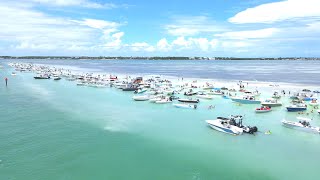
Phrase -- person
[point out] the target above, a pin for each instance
(6, 79)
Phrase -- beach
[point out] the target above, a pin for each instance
(81, 132)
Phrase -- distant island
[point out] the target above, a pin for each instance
(152, 58)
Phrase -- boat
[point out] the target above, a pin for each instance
(42, 77)
(231, 126)
(189, 100)
(276, 95)
(141, 98)
(316, 91)
(140, 91)
(319, 112)
(225, 125)
(13, 74)
(246, 100)
(314, 103)
(163, 101)
(190, 93)
(186, 106)
(203, 95)
(271, 103)
(153, 100)
(56, 78)
(263, 109)
(303, 125)
(297, 107)
(216, 92)
(130, 89)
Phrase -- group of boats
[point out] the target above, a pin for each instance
(161, 91)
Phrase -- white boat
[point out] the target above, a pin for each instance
(303, 125)
(216, 92)
(203, 95)
(271, 103)
(163, 101)
(13, 74)
(186, 106)
(314, 103)
(318, 111)
(153, 100)
(246, 100)
(141, 98)
(224, 125)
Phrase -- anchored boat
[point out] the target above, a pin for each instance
(303, 125)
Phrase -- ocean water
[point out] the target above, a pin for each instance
(56, 130)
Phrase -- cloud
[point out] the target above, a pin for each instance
(278, 11)
(163, 45)
(141, 46)
(192, 25)
(79, 3)
(252, 34)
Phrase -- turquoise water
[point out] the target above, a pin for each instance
(56, 130)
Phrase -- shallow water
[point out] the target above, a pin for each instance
(56, 130)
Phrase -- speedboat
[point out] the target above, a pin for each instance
(56, 78)
(303, 125)
(216, 92)
(204, 96)
(164, 101)
(231, 126)
(186, 106)
(297, 107)
(225, 125)
(42, 77)
(246, 100)
(314, 103)
(154, 99)
(189, 100)
(13, 74)
(141, 98)
(263, 109)
(271, 103)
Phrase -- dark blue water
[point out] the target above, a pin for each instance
(301, 72)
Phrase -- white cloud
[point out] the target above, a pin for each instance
(252, 34)
(192, 25)
(278, 11)
(141, 46)
(163, 45)
(78, 3)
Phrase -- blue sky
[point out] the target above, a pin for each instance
(239, 28)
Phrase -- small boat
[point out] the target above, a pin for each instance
(232, 90)
(186, 106)
(81, 84)
(140, 91)
(189, 100)
(263, 109)
(319, 112)
(203, 95)
(314, 103)
(303, 125)
(141, 98)
(246, 100)
(13, 74)
(316, 91)
(42, 77)
(56, 78)
(216, 92)
(297, 107)
(271, 103)
(163, 101)
(130, 89)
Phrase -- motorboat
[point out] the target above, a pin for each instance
(276, 95)
(271, 103)
(163, 101)
(232, 125)
(303, 125)
(263, 109)
(319, 112)
(42, 77)
(314, 103)
(157, 98)
(13, 74)
(297, 107)
(189, 100)
(204, 96)
(141, 98)
(225, 125)
(56, 78)
(254, 93)
(140, 91)
(185, 106)
(190, 93)
(216, 92)
(246, 100)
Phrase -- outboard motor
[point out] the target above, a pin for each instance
(252, 130)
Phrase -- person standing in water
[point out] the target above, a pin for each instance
(6, 80)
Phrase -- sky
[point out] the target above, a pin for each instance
(230, 28)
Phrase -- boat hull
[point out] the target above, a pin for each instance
(246, 101)
(293, 125)
(296, 109)
(223, 129)
(271, 104)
